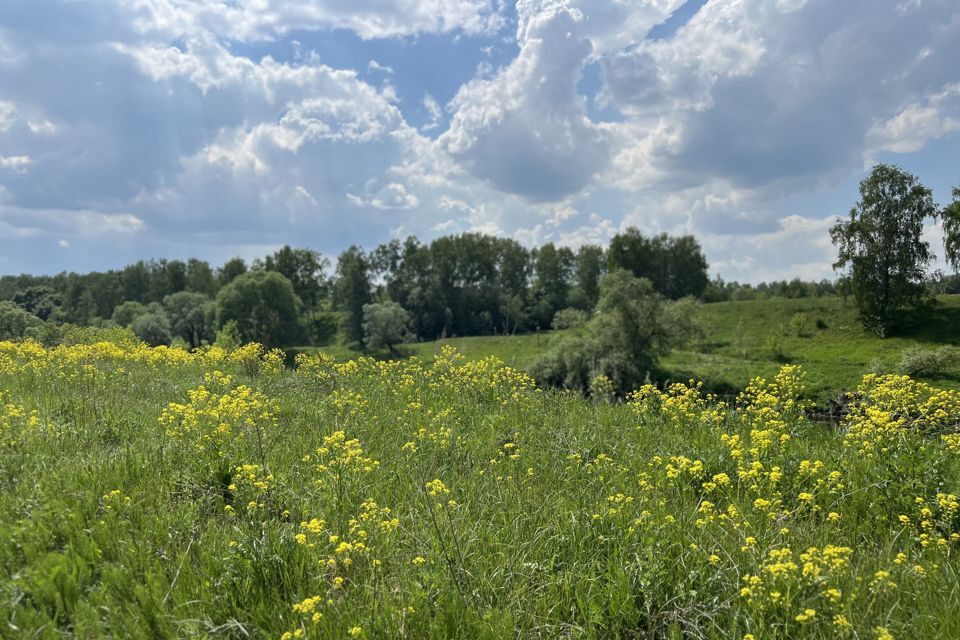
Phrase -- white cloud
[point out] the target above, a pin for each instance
(373, 67)
(390, 196)
(918, 123)
(149, 109)
(525, 130)
(15, 163)
(70, 222)
(270, 19)
(8, 113)
(434, 112)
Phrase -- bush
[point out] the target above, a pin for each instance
(773, 345)
(799, 325)
(153, 328)
(14, 321)
(569, 318)
(928, 363)
(385, 324)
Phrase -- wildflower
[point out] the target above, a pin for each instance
(808, 614)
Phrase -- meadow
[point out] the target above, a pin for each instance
(748, 338)
(160, 493)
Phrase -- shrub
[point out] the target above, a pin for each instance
(569, 318)
(153, 328)
(773, 345)
(14, 321)
(928, 363)
(799, 325)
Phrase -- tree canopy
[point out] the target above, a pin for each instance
(881, 246)
(264, 307)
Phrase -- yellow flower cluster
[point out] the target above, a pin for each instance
(888, 406)
(16, 423)
(218, 416)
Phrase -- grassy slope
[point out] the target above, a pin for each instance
(734, 349)
(835, 357)
(570, 520)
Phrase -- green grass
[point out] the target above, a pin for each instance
(834, 357)
(513, 513)
(735, 346)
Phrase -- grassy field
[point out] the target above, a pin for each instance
(835, 354)
(153, 493)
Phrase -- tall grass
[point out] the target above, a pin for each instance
(151, 493)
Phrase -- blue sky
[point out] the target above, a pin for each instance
(133, 129)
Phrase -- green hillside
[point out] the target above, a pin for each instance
(835, 354)
(832, 346)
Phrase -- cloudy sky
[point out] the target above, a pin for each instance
(133, 129)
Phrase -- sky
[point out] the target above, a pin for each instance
(137, 129)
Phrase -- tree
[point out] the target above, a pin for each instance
(634, 326)
(126, 312)
(951, 229)
(587, 271)
(200, 278)
(14, 321)
(42, 301)
(385, 324)
(687, 268)
(882, 248)
(675, 266)
(188, 313)
(169, 276)
(153, 326)
(305, 270)
(353, 290)
(553, 268)
(231, 269)
(264, 306)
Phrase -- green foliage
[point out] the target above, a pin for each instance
(264, 307)
(324, 327)
(951, 229)
(231, 270)
(800, 325)
(228, 336)
(42, 301)
(15, 321)
(774, 345)
(352, 291)
(153, 326)
(923, 362)
(676, 267)
(126, 312)
(385, 324)
(882, 247)
(569, 318)
(633, 328)
(305, 269)
(189, 315)
(487, 510)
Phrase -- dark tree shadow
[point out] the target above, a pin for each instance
(936, 323)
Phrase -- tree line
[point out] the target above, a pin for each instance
(458, 285)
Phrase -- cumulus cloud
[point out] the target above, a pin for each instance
(15, 163)
(271, 19)
(390, 196)
(525, 131)
(918, 123)
(185, 117)
(758, 92)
